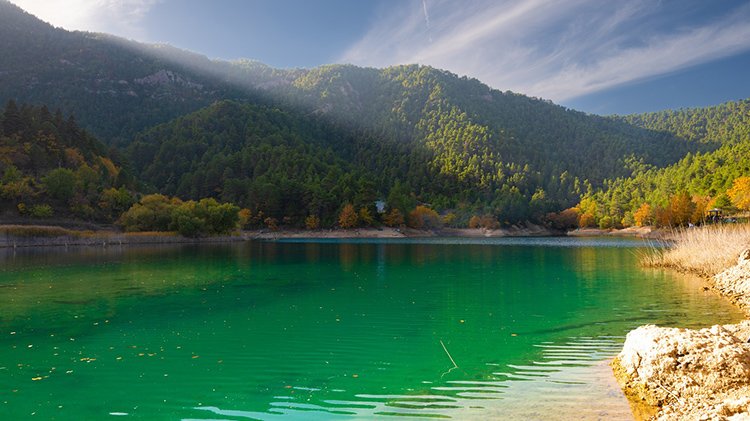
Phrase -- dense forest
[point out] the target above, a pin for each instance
(681, 193)
(301, 146)
(50, 166)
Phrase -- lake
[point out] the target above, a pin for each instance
(444, 328)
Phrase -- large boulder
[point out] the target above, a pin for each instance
(734, 282)
(705, 371)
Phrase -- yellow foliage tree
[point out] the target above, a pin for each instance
(681, 208)
(701, 207)
(312, 222)
(348, 217)
(475, 222)
(587, 212)
(245, 215)
(394, 218)
(586, 220)
(365, 216)
(644, 215)
(740, 193)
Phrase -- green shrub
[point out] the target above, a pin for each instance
(41, 211)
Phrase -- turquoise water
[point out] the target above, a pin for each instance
(446, 328)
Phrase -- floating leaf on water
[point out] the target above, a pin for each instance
(36, 378)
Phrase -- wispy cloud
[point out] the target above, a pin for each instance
(551, 48)
(119, 17)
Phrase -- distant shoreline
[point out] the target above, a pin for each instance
(14, 236)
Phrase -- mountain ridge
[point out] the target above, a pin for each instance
(472, 147)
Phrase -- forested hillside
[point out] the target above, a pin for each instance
(289, 166)
(114, 87)
(52, 167)
(299, 143)
(682, 192)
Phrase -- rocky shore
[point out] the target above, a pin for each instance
(680, 374)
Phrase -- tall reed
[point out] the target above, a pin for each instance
(705, 251)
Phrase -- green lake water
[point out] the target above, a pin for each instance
(331, 329)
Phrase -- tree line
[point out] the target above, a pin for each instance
(679, 194)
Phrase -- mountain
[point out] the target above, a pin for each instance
(699, 180)
(114, 87)
(190, 125)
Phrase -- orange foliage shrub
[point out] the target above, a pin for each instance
(565, 219)
(423, 217)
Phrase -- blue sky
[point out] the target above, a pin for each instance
(596, 56)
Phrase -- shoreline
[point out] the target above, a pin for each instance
(674, 373)
(13, 236)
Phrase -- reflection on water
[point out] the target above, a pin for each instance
(331, 329)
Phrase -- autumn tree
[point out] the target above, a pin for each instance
(348, 217)
(394, 218)
(312, 222)
(152, 213)
(564, 220)
(740, 193)
(244, 215)
(644, 215)
(587, 212)
(701, 207)
(423, 217)
(681, 208)
(365, 216)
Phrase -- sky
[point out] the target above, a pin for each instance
(596, 56)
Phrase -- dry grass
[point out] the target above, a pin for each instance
(37, 231)
(705, 251)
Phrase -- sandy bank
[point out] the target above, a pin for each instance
(335, 233)
(640, 232)
(529, 230)
(693, 374)
(42, 235)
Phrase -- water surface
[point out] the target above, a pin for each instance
(444, 328)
